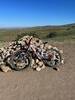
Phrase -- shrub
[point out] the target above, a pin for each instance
(51, 35)
(34, 34)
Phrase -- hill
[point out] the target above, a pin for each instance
(57, 33)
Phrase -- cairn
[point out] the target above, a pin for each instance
(15, 46)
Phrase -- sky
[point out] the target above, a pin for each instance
(29, 13)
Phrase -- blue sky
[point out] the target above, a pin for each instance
(26, 13)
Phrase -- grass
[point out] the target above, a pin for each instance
(62, 33)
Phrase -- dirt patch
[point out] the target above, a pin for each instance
(47, 84)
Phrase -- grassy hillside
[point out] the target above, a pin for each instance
(55, 33)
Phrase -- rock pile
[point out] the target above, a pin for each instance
(15, 46)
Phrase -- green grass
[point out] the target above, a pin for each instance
(63, 33)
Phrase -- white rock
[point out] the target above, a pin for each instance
(61, 51)
(37, 61)
(5, 68)
(43, 67)
(56, 48)
(34, 66)
(62, 62)
(40, 63)
(38, 69)
(49, 46)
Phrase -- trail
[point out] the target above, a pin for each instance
(47, 84)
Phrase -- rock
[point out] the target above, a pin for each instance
(35, 44)
(34, 66)
(38, 69)
(37, 61)
(43, 66)
(62, 62)
(56, 68)
(61, 51)
(40, 63)
(5, 68)
(42, 46)
(33, 63)
(56, 48)
(49, 46)
(21, 42)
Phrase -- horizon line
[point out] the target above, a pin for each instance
(52, 25)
